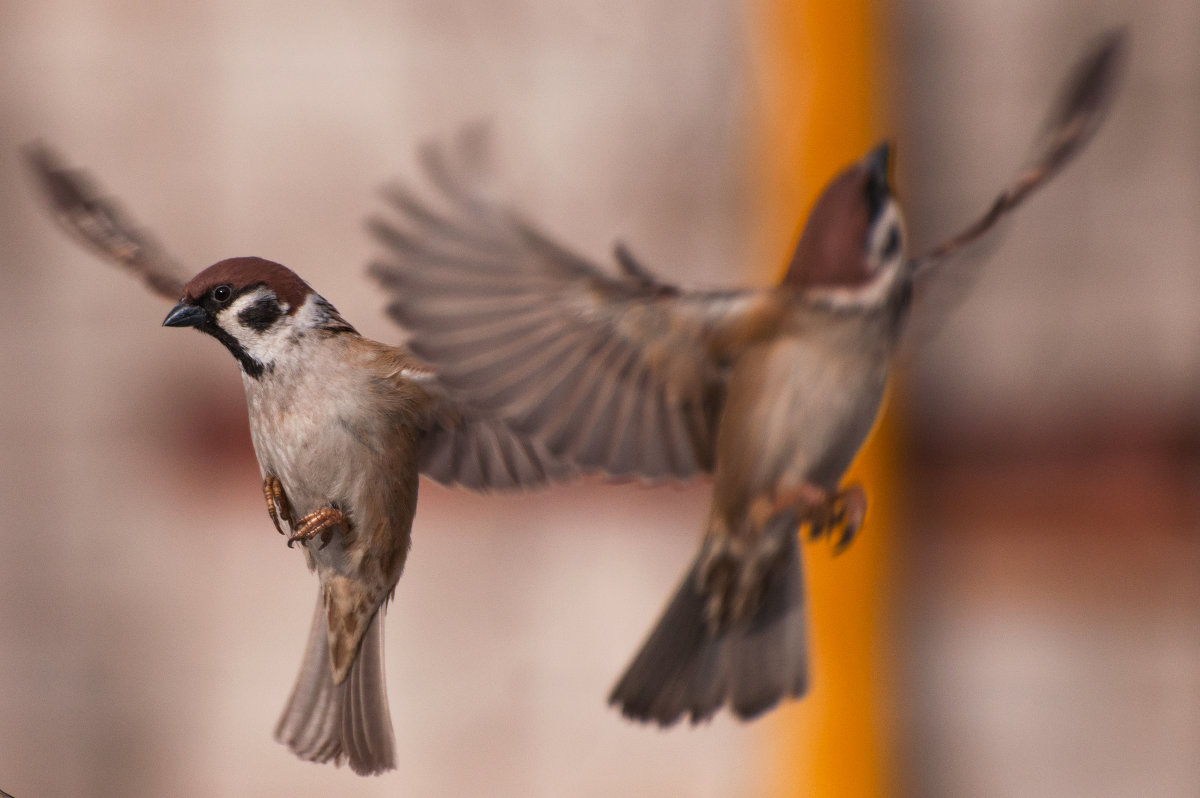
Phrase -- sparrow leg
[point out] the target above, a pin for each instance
(277, 504)
(736, 567)
(320, 522)
(809, 502)
(836, 516)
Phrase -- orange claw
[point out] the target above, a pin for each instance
(319, 522)
(844, 515)
(277, 503)
(834, 516)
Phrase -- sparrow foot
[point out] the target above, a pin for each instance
(838, 518)
(833, 516)
(277, 504)
(320, 522)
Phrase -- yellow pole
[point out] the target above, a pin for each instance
(817, 65)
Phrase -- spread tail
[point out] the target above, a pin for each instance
(685, 669)
(347, 722)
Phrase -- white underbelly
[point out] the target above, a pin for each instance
(798, 412)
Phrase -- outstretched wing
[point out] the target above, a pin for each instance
(457, 448)
(480, 452)
(98, 223)
(615, 372)
(1073, 121)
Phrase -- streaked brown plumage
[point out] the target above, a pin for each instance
(341, 426)
(773, 391)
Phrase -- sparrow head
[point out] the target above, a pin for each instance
(256, 308)
(852, 247)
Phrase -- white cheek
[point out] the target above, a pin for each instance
(872, 295)
(276, 344)
(889, 219)
(241, 303)
(264, 346)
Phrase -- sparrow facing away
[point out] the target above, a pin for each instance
(341, 426)
(772, 391)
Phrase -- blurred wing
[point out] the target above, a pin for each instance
(99, 225)
(617, 373)
(1073, 121)
(483, 453)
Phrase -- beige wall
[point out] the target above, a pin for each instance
(1051, 578)
(151, 620)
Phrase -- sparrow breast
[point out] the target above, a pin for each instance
(799, 406)
(338, 429)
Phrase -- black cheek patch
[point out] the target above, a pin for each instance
(892, 245)
(261, 315)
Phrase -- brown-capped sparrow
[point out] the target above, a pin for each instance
(772, 391)
(341, 426)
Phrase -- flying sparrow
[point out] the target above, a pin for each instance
(341, 426)
(772, 391)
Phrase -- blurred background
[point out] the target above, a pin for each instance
(1018, 617)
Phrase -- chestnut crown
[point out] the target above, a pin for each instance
(238, 275)
(854, 231)
(254, 307)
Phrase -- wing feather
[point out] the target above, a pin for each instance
(460, 444)
(99, 224)
(1073, 120)
(482, 453)
(615, 371)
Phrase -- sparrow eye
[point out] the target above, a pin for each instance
(221, 293)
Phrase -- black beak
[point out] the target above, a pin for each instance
(877, 162)
(184, 315)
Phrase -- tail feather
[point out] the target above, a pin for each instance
(347, 722)
(368, 722)
(771, 657)
(684, 669)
